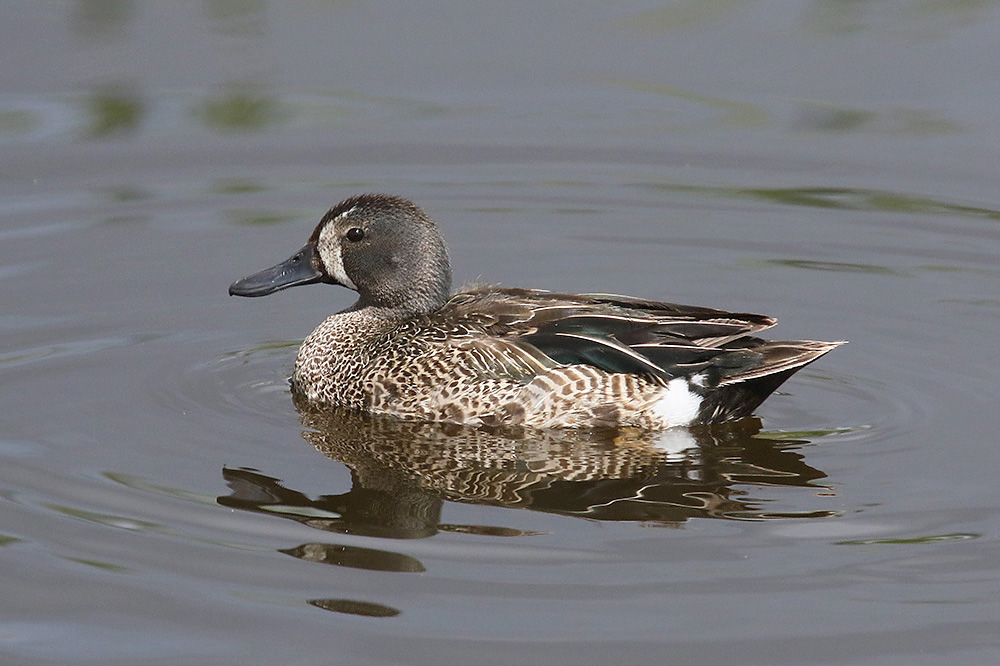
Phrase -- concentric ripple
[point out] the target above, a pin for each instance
(239, 384)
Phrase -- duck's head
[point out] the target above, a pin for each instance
(381, 246)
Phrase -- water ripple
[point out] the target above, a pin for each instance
(252, 382)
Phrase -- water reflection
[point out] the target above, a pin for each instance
(114, 110)
(837, 198)
(243, 108)
(402, 472)
(239, 18)
(100, 20)
(352, 607)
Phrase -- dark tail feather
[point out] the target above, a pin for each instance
(741, 390)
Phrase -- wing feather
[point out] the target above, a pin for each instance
(524, 332)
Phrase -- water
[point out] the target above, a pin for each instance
(164, 500)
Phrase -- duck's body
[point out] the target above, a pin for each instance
(495, 356)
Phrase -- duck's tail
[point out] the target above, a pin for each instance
(741, 380)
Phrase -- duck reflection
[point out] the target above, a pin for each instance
(402, 472)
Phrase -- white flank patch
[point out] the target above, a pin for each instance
(329, 252)
(678, 405)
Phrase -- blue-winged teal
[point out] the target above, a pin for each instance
(497, 356)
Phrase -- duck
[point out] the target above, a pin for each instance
(494, 356)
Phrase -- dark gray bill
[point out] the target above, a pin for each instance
(298, 269)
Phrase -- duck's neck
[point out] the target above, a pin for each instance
(420, 297)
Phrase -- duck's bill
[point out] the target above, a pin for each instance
(298, 269)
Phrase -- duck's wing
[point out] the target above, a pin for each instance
(701, 326)
(535, 329)
(506, 311)
(521, 333)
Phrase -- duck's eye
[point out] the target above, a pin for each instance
(355, 234)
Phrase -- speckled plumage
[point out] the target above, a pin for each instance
(498, 356)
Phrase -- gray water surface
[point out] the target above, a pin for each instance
(163, 500)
